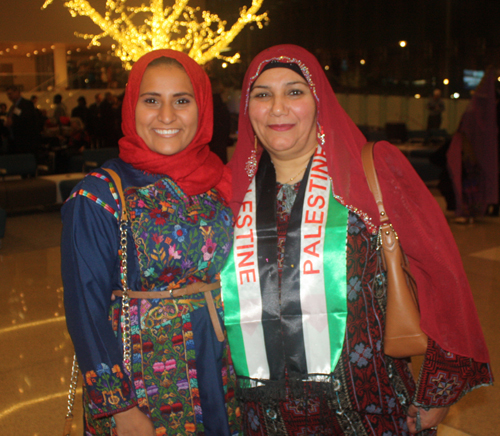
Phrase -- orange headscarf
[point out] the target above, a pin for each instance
(195, 169)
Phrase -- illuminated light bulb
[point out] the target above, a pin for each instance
(327, 67)
(402, 43)
(35, 52)
(200, 34)
(362, 62)
(417, 96)
(44, 50)
(224, 65)
(15, 47)
(7, 50)
(456, 95)
(446, 82)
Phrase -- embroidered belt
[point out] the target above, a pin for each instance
(193, 288)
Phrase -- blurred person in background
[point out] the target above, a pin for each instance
(22, 123)
(435, 106)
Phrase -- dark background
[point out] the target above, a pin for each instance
(444, 37)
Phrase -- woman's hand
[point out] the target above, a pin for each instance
(428, 418)
(133, 422)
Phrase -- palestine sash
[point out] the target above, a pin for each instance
(299, 328)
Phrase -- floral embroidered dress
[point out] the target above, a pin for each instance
(370, 392)
(181, 376)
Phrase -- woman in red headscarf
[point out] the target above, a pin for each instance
(304, 291)
(161, 366)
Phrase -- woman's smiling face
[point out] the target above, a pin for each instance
(166, 114)
(282, 111)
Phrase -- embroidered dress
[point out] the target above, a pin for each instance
(308, 349)
(369, 392)
(181, 375)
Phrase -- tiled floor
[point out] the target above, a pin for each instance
(37, 352)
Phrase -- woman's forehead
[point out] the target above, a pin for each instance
(279, 75)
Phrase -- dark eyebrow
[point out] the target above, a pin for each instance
(180, 94)
(156, 94)
(149, 93)
(298, 82)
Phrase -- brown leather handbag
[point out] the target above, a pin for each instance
(402, 336)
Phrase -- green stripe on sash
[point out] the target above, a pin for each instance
(232, 316)
(335, 273)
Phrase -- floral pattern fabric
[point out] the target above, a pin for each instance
(178, 366)
(369, 392)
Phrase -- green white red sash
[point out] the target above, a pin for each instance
(320, 312)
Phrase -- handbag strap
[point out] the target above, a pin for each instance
(387, 236)
(126, 327)
(118, 184)
(372, 179)
(71, 397)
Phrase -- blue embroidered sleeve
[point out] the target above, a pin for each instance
(90, 272)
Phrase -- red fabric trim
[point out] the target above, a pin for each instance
(448, 313)
(195, 169)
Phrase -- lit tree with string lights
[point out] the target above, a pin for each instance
(137, 30)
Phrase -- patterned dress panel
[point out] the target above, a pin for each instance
(179, 240)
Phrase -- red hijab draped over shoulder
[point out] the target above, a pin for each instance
(448, 312)
(195, 169)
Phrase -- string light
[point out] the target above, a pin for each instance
(176, 27)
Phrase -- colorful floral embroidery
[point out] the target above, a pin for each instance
(179, 240)
(107, 389)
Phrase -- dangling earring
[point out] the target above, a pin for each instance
(251, 165)
(321, 135)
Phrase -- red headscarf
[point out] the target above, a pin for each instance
(448, 313)
(195, 169)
